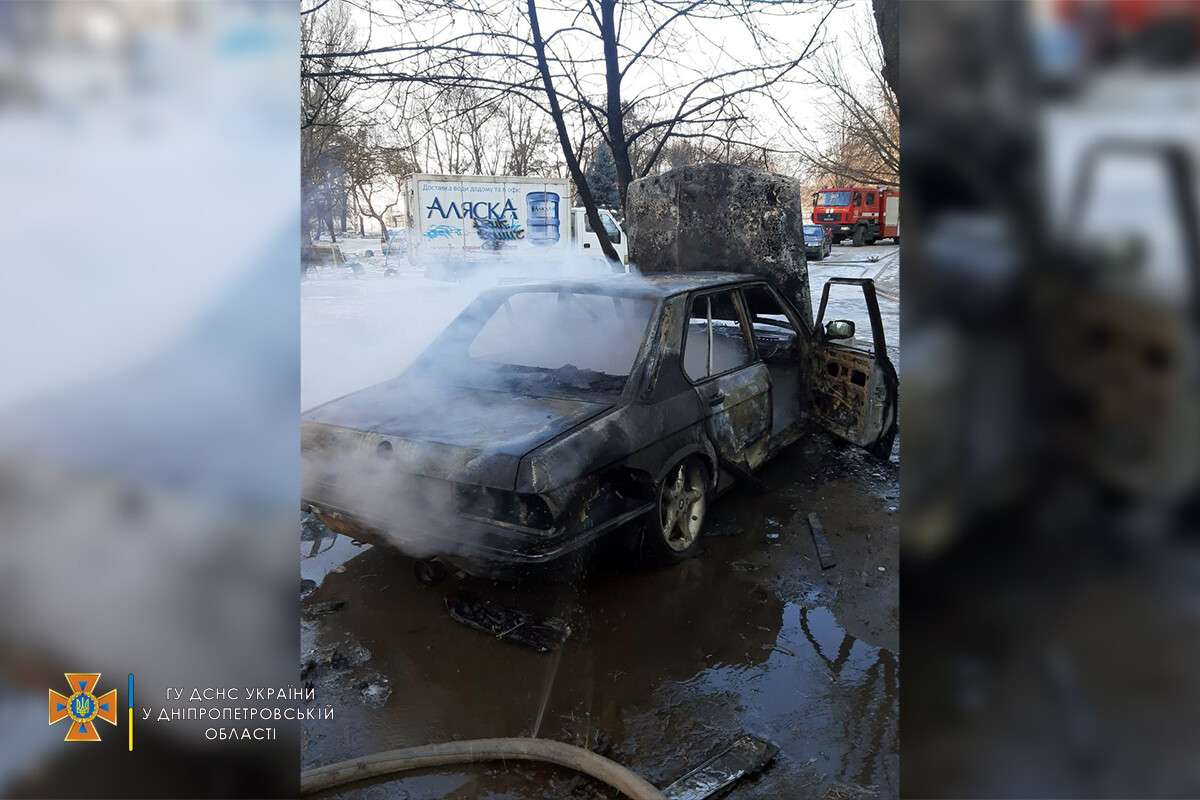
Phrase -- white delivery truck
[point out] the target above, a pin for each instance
(459, 222)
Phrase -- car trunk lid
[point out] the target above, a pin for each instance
(452, 433)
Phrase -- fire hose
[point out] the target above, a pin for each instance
(473, 751)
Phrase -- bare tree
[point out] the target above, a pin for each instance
(373, 168)
(527, 141)
(859, 139)
(604, 69)
(690, 101)
(564, 137)
(326, 109)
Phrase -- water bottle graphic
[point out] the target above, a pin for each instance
(542, 212)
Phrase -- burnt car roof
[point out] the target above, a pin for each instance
(661, 284)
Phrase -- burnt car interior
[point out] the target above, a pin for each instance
(777, 339)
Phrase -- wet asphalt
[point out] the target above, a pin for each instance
(663, 667)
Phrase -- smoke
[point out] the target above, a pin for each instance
(360, 329)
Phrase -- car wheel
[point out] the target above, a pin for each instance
(673, 533)
(820, 254)
(860, 236)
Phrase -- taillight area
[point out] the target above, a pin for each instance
(526, 510)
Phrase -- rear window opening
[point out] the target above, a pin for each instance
(578, 340)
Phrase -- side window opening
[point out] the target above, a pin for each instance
(610, 226)
(858, 198)
(770, 325)
(717, 340)
(730, 346)
(847, 302)
(870, 198)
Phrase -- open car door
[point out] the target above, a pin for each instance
(1120, 319)
(855, 391)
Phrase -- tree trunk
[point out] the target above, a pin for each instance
(887, 22)
(615, 117)
(564, 139)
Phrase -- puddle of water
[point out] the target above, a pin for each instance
(324, 553)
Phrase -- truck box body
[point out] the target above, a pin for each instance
(452, 218)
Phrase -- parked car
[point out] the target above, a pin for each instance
(550, 414)
(818, 242)
(326, 254)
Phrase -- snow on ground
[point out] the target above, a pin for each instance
(879, 261)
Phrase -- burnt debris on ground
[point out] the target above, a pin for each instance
(508, 624)
(746, 756)
(824, 549)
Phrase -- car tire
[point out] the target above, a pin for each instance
(819, 255)
(860, 235)
(673, 530)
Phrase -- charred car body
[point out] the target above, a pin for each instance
(548, 415)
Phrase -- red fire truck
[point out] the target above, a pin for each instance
(862, 213)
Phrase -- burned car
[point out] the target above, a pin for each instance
(548, 415)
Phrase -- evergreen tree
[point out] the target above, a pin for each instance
(602, 178)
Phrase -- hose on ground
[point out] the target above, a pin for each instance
(476, 750)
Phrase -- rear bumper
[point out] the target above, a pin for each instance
(475, 539)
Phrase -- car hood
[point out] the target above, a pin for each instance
(455, 433)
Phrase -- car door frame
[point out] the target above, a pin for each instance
(803, 336)
(712, 394)
(877, 421)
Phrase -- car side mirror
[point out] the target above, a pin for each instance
(839, 329)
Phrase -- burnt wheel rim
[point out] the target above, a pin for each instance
(681, 505)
